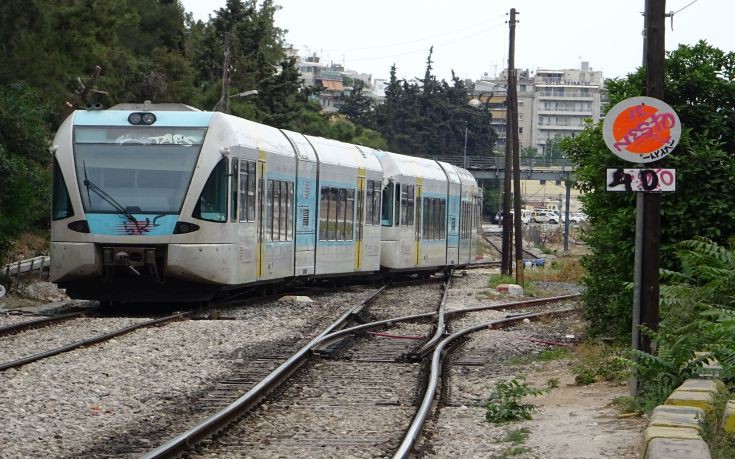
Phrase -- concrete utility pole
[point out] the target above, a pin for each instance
(506, 258)
(655, 56)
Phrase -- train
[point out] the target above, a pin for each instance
(164, 202)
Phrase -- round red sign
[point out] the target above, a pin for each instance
(641, 129)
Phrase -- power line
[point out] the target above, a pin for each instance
(682, 9)
(422, 50)
(417, 40)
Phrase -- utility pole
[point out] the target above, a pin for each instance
(655, 50)
(225, 99)
(464, 158)
(506, 258)
(513, 92)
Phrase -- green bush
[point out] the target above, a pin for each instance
(505, 405)
(705, 173)
(698, 315)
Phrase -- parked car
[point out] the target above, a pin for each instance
(544, 216)
(525, 216)
(577, 217)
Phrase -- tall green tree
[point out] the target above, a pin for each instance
(433, 118)
(358, 106)
(700, 86)
(24, 160)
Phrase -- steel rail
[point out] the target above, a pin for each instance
(335, 336)
(223, 417)
(42, 322)
(90, 341)
(441, 325)
(422, 414)
(247, 401)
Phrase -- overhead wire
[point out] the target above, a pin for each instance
(416, 40)
(422, 50)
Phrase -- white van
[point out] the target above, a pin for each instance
(525, 216)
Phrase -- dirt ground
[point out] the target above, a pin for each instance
(579, 421)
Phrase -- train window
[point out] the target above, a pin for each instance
(283, 213)
(410, 210)
(386, 214)
(369, 202)
(324, 214)
(349, 214)
(212, 203)
(289, 212)
(233, 190)
(376, 203)
(404, 205)
(334, 211)
(61, 203)
(341, 213)
(426, 224)
(269, 211)
(247, 191)
(337, 213)
(443, 218)
(251, 191)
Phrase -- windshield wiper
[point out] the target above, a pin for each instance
(103, 194)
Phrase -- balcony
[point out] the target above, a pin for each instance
(566, 95)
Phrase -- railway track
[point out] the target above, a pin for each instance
(18, 362)
(365, 377)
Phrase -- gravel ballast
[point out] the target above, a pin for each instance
(74, 402)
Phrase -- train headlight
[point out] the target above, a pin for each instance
(145, 119)
(80, 226)
(185, 227)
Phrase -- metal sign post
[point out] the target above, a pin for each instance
(643, 130)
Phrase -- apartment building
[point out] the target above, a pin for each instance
(551, 103)
(562, 101)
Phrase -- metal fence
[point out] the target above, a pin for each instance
(18, 268)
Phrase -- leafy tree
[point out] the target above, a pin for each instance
(357, 106)
(700, 87)
(24, 160)
(433, 118)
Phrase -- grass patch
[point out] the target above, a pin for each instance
(721, 443)
(511, 452)
(552, 353)
(546, 250)
(516, 436)
(600, 363)
(548, 354)
(567, 269)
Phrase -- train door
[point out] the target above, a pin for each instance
(417, 221)
(360, 219)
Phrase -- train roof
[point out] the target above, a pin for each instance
(231, 130)
(410, 166)
(458, 174)
(344, 154)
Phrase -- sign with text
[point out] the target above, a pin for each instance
(651, 180)
(641, 129)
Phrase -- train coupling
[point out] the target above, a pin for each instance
(131, 259)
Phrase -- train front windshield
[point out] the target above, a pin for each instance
(140, 170)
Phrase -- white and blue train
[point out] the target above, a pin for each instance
(164, 202)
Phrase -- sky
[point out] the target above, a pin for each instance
(471, 36)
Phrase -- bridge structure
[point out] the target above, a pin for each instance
(493, 167)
